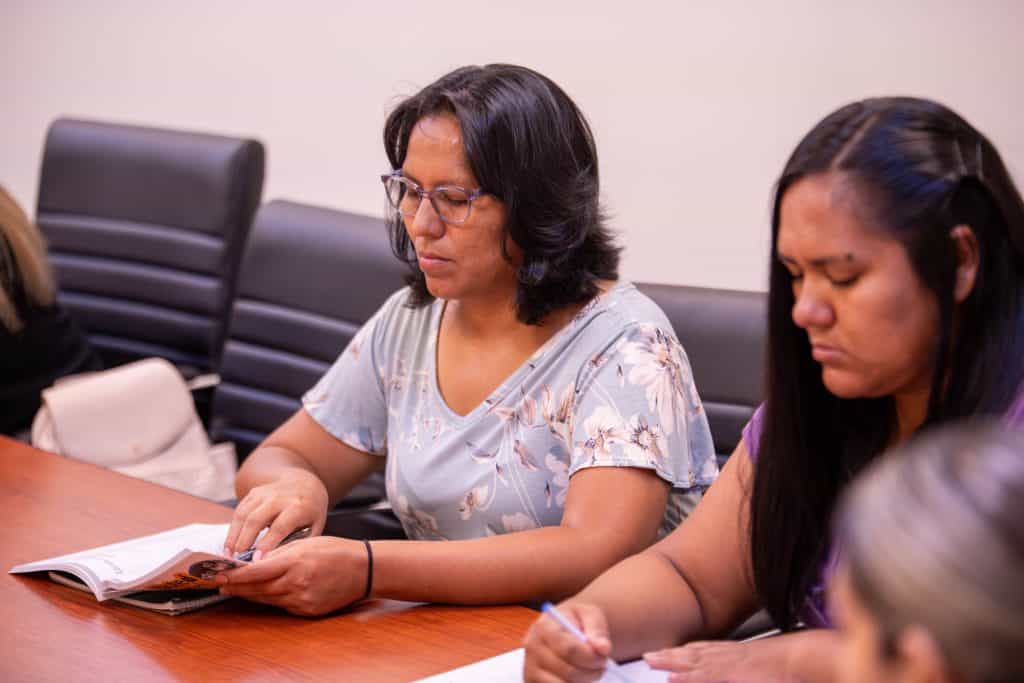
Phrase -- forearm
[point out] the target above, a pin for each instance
(526, 566)
(647, 603)
(806, 656)
(266, 464)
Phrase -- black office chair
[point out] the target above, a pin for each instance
(310, 278)
(145, 229)
(723, 332)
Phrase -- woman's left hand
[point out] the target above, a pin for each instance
(308, 577)
(722, 660)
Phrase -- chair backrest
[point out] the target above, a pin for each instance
(723, 332)
(145, 229)
(310, 278)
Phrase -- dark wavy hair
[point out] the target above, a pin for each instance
(530, 146)
(918, 169)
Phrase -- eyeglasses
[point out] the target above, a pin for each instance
(451, 202)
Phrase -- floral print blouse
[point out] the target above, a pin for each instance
(613, 388)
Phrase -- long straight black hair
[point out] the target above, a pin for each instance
(919, 170)
(529, 145)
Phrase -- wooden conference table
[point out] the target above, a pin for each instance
(52, 505)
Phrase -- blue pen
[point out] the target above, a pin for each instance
(610, 665)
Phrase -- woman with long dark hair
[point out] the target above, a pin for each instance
(524, 404)
(896, 301)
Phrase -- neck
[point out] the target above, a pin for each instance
(485, 316)
(911, 410)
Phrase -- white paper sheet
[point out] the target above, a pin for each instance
(508, 668)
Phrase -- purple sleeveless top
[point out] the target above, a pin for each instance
(815, 611)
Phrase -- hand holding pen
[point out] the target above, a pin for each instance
(611, 667)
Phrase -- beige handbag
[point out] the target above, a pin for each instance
(138, 419)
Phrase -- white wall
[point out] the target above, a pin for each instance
(695, 105)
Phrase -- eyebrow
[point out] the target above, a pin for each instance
(822, 261)
(446, 183)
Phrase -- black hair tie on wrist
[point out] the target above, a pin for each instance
(369, 571)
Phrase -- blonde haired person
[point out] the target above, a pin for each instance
(929, 587)
(38, 340)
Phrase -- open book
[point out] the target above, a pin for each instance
(171, 572)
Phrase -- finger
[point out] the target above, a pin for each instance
(594, 625)
(269, 592)
(539, 676)
(568, 648)
(555, 671)
(276, 592)
(548, 661)
(256, 521)
(679, 659)
(663, 660)
(256, 572)
(287, 521)
(242, 511)
(317, 527)
(288, 549)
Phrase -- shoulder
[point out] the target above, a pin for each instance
(624, 328)
(398, 313)
(628, 307)
(395, 327)
(621, 312)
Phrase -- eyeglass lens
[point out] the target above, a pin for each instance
(451, 203)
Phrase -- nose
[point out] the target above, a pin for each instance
(811, 309)
(425, 221)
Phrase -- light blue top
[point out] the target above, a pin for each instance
(613, 388)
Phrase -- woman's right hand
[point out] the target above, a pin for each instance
(296, 499)
(553, 654)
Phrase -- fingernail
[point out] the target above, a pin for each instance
(227, 551)
(257, 556)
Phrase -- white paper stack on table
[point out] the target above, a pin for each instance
(508, 668)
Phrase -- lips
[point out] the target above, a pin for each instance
(825, 354)
(432, 263)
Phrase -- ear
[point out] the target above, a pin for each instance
(968, 260)
(922, 659)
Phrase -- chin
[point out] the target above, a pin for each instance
(439, 289)
(846, 385)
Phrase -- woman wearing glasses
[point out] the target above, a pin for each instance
(532, 410)
(896, 301)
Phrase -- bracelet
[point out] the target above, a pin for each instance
(369, 571)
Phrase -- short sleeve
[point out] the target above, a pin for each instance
(349, 401)
(637, 406)
(752, 433)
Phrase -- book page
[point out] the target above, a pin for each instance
(508, 668)
(159, 561)
(165, 602)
